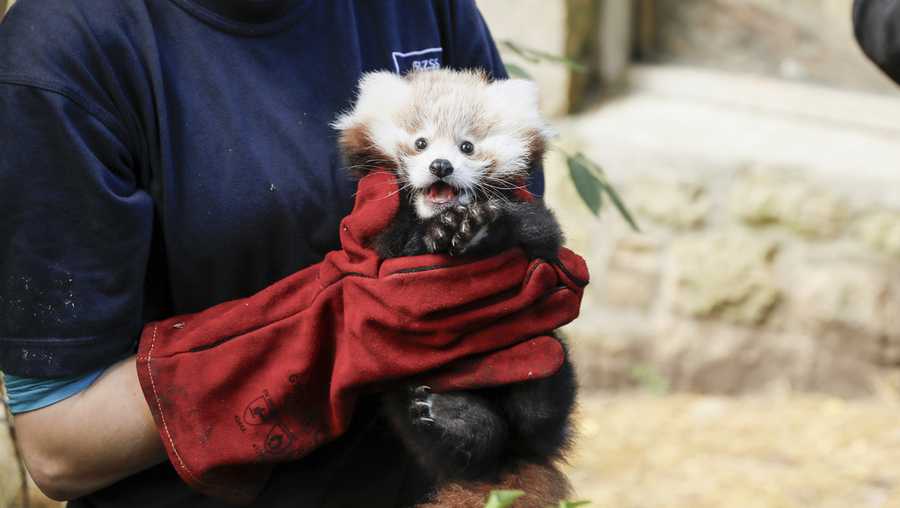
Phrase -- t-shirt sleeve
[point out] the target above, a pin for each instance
(473, 47)
(74, 234)
(877, 27)
(29, 394)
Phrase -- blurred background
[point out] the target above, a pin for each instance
(743, 349)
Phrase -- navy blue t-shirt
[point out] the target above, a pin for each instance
(161, 156)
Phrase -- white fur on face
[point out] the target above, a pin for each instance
(447, 108)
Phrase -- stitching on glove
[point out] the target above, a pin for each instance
(420, 269)
(162, 416)
(453, 262)
(496, 298)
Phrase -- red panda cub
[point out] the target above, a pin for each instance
(461, 147)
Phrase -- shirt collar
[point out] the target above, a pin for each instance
(248, 11)
(245, 17)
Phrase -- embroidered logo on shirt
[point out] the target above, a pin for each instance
(421, 60)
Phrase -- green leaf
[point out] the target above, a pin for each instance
(535, 56)
(522, 52)
(573, 504)
(587, 184)
(517, 72)
(503, 498)
(620, 206)
(590, 181)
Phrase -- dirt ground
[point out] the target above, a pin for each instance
(684, 451)
(697, 452)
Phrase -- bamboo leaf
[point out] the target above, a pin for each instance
(568, 62)
(586, 183)
(597, 172)
(517, 72)
(573, 504)
(503, 498)
(519, 50)
(535, 56)
(620, 206)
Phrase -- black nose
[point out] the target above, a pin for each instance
(441, 168)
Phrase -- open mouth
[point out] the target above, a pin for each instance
(441, 193)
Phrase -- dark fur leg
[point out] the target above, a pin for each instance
(459, 435)
(506, 437)
(539, 414)
(535, 228)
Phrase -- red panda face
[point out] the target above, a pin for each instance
(451, 137)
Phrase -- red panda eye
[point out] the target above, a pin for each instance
(467, 148)
(421, 144)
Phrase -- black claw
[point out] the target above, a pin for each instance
(492, 210)
(451, 231)
(465, 228)
(420, 410)
(476, 214)
(456, 245)
(420, 406)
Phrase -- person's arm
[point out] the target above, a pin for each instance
(92, 439)
(74, 246)
(877, 27)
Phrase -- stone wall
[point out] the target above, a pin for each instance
(770, 252)
(762, 278)
(508, 20)
(809, 40)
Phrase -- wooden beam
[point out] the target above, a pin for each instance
(645, 30)
(581, 45)
(614, 42)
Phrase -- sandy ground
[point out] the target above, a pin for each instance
(683, 451)
(693, 451)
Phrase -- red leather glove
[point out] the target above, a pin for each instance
(269, 378)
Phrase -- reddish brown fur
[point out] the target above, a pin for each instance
(544, 486)
(406, 149)
(361, 152)
(536, 146)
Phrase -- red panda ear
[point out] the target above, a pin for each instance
(368, 128)
(515, 94)
(358, 150)
(379, 95)
(537, 147)
(383, 88)
(519, 100)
